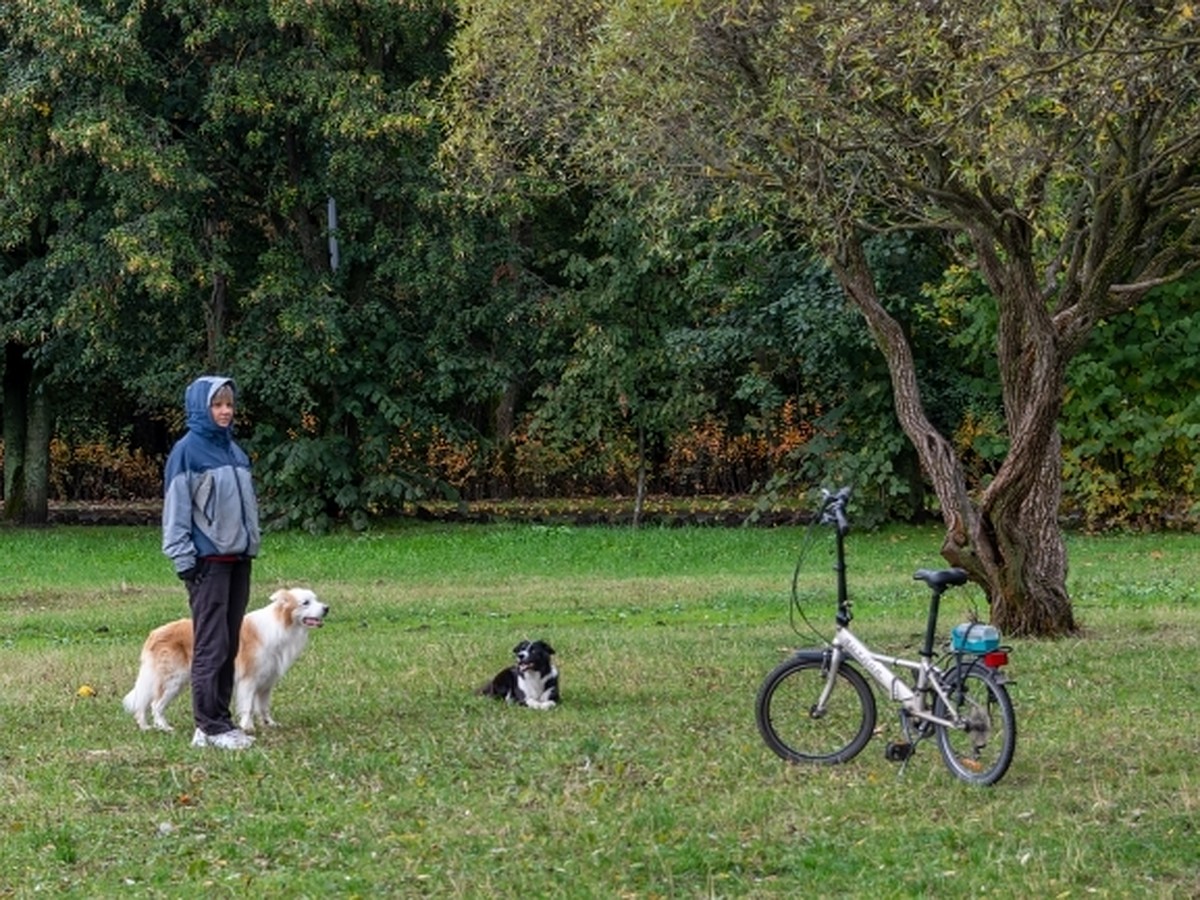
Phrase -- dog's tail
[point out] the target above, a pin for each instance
(133, 700)
(487, 689)
(138, 700)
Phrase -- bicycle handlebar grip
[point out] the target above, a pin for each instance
(835, 505)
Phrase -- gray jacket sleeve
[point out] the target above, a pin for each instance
(177, 524)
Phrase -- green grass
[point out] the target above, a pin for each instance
(389, 778)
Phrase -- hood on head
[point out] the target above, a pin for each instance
(196, 401)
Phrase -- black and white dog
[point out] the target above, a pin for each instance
(532, 681)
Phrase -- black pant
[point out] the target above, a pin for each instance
(218, 598)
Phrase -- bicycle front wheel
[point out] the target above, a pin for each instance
(981, 749)
(793, 727)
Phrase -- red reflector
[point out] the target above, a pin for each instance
(995, 659)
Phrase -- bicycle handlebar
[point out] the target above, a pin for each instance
(833, 508)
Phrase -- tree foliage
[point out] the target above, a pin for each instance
(311, 113)
(85, 174)
(1132, 415)
(173, 179)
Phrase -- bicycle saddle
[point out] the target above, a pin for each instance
(941, 578)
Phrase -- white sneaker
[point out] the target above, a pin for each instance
(226, 740)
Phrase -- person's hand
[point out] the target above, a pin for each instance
(189, 575)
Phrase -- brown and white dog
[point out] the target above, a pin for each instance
(271, 639)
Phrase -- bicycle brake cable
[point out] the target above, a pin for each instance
(795, 607)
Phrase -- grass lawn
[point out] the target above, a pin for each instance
(388, 777)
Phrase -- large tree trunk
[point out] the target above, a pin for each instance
(16, 394)
(28, 426)
(37, 457)
(1026, 567)
(1009, 541)
(1027, 558)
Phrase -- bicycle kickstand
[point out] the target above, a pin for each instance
(904, 750)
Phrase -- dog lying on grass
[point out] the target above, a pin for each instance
(531, 681)
(271, 639)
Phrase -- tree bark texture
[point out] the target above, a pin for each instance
(28, 427)
(16, 392)
(37, 456)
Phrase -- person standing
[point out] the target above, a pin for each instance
(211, 534)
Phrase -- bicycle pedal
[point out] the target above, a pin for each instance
(898, 752)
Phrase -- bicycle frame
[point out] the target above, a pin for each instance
(877, 666)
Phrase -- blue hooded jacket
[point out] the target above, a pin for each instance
(209, 506)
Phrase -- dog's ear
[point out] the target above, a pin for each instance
(549, 649)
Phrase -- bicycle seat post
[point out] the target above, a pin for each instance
(931, 623)
(938, 582)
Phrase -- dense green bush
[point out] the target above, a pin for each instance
(1131, 424)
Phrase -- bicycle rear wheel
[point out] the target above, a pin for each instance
(980, 752)
(792, 727)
